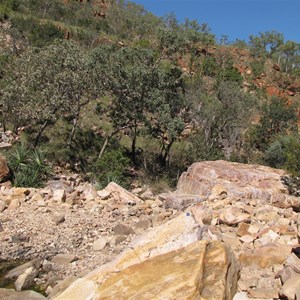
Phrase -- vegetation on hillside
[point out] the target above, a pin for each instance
(128, 95)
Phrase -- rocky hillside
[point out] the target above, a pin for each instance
(109, 90)
(229, 231)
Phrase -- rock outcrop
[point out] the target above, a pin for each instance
(209, 179)
(251, 181)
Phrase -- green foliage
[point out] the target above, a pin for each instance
(175, 38)
(197, 33)
(79, 156)
(145, 94)
(257, 67)
(4, 59)
(230, 73)
(28, 166)
(221, 117)
(44, 34)
(284, 152)
(278, 118)
(111, 167)
(266, 44)
(39, 33)
(241, 44)
(144, 43)
(199, 150)
(4, 12)
(172, 41)
(54, 88)
(209, 66)
(289, 56)
(167, 119)
(45, 83)
(10, 4)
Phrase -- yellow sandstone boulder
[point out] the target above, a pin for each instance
(168, 262)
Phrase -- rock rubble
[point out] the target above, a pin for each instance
(69, 228)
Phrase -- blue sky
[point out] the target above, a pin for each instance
(236, 18)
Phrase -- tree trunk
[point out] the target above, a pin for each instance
(167, 152)
(103, 148)
(75, 121)
(133, 149)
(3, 122)
(37, 139)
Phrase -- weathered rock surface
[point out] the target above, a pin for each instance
(291, 288)
(201, 269)
(100, 244)
(61, 286)
(6, 294)
(177, 274)
(16, 272)
(266, 256)
(247, 208)
(180, 202)
(63, 259)
(26, 279)
(237, 180)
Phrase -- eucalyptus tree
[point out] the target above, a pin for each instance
(222, 117)
(145, 96)
(169, 111)
(266, 43)
(43, 84)
(289, 55)
(131, 78)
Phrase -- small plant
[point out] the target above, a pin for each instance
(28, 166)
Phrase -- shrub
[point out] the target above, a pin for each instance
(28, 166)
(230, 73)
(43, 34)
(284, 152)
(39, 34)
(3, 62)
(209, 66)
(4, 13)
(111, 167)
(278, 118)
(258, 67)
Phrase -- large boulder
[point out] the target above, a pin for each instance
(121, 195)
(169, 261)
(235, 180)
(238, 179)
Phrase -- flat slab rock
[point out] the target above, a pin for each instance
(173, 251)
(63, 259)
